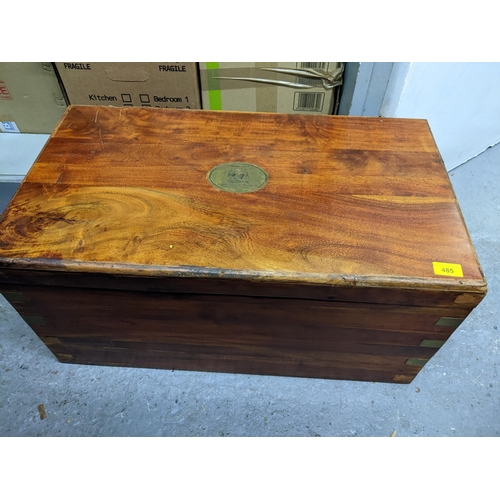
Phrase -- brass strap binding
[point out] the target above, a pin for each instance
(34, 320)
(14, 296)
(455, 322)
(416, 361)
(432, 343)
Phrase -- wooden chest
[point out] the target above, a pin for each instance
(312, 246)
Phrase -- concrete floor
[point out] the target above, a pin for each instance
(456, 394)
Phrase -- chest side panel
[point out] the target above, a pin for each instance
(237, 334)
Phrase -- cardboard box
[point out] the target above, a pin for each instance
(285, 87)
(31, 99)
(160, 85)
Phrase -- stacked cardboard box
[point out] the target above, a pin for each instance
(297, 87)
(31, 99)
(161, 85)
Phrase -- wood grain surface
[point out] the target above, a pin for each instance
(348, 199)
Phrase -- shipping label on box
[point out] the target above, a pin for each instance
(160, 85)
(297, 87)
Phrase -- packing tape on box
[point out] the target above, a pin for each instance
(328, 80)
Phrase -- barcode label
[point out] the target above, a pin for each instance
(315, 82)
(313, 65)
(308, 101)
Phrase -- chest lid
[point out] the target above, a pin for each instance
(323, 200)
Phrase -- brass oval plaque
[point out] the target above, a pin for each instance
(238, 177)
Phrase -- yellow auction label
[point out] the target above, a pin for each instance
(447, 269)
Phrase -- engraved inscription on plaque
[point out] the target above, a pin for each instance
(238, 177)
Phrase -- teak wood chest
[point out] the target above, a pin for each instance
(312, 246)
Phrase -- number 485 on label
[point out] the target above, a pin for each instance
(447, 269)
